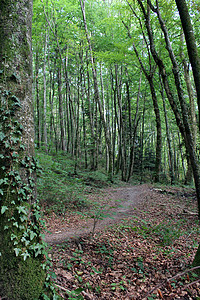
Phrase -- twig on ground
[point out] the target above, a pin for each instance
(167, 280)
(62, 288)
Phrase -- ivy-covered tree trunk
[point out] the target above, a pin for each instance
(21, 250)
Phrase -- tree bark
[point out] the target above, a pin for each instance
(38, 128)
(182, 122)
(61, 113)
(21, 273)
(171, 160)
(97, 96)
(191, 45)
(45, 95)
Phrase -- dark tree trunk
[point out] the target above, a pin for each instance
(61, 114)
(38, 127)
(171, 160)
(181, 119)
(191, 45)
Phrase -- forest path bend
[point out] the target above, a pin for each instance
(123, 201)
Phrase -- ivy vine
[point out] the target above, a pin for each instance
(18, 207)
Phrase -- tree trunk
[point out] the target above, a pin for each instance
(61, 114)
(189, 141)
(93, 148)
(182, 123)
(45, 96)
(121, 129)
(38, 131)
(133, 130)
(149, 77)
(97, 96)
(171, 160)
(21, 273)
(191, 45)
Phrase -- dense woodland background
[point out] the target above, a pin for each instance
(99, 95)
(116, 94)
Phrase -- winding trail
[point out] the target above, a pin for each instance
(124, 199)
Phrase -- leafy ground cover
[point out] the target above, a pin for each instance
(145, 255)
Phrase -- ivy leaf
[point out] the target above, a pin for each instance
(23, 218)
(1, 192)
(25, 255)
(22, 209)
(16, 224)
(2, 136)
(5, 181)
(13, 236)
(32, 235)
(3, 209)
(17, 250)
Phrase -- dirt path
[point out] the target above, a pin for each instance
(125, 199)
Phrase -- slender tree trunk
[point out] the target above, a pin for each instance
(182, 123)
(97, 97)
(121, 128)
(51, 101)
(83, 110)
(149, 77)
(192, 117)
(191, 45)
(91, 122)
(188, 133)
(76, 144)
(142, 142)
(38, 101)
(171, 161)
(45, 95)
(135, 125)
(61, 115)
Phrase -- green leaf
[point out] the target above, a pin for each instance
(22, 209)
(13, 236)
(23, 218)
(3, 209)
(78, 291)
(1, 192)
(2, 136)
(15, 224)
(25, 255)
(17, 250)
(32, 235)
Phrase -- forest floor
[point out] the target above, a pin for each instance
(135, 242)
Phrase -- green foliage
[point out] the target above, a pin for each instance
(98, 212)
(59, 189)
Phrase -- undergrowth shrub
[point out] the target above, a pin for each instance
(58, 189)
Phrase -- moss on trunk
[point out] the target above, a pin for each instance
(21, 279)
